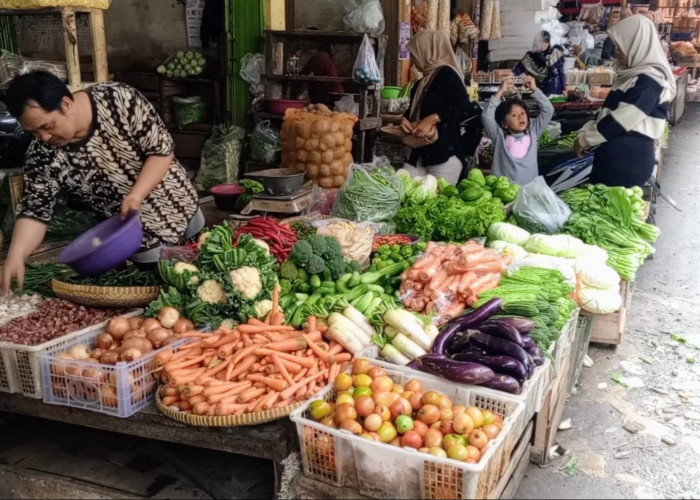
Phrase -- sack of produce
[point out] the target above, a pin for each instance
(265, 144)
(318, 141)
(356, 238)
(370, 194)
(365, 70)
(220, 157)
(190, 110)
(538, 209)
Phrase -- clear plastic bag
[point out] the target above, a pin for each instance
(322, 200)
(538, 209)
(365, 69)
(365, 16)
(180, 253)
(265, 143)
(252, 68)
(347, 104)
(370, 193)
(356, 238)
(465, 64)
(190, 110)
(220, 158)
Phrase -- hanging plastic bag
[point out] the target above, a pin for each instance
(265, 143)
(538, 209)
(366, 17)
(252, 68)
(465, 64)
(347, 104)
(190, 110)
(365, 70)
(221, 155)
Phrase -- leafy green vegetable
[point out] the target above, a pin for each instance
(373, 195)
(617, 377)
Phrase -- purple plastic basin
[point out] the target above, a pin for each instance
(105, 246)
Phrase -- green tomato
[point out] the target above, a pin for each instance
(404, 423)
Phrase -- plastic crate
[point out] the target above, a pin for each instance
(380, 470)
(81, 384)
(20, 366)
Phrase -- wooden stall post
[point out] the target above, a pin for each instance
(70, 37)
(99, 45)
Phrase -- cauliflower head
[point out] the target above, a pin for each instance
(263, 308)
(184, 267)
(247, 281)
(262, 244)
(212, 292)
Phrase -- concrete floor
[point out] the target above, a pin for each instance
(662, 460)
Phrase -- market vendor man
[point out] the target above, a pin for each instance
(107, 146)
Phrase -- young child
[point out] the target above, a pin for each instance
(514, 135)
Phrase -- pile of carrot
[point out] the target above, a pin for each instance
(256, 366)
(448, 278)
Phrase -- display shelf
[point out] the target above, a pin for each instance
(335, 36)
(312, 78)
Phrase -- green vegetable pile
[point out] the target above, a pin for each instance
(183, 65)
(546, 142)
(227, 282)
(318, 255)
(476, 188)
(539, 294)
(452, 218)
(251, 188)
(613, 219)
(38, 277)
(418, 189)
(373, 195)
(388, 255)
(119, 277)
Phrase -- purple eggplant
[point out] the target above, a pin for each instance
(415, 365)
(527, 342)
(497, 345)
(502, 364)
(457, 371)
(458, 343)
(523, 325)
(500, 329)
(504, 383)
(464, 322)
(536, 354)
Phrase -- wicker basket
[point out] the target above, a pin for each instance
(255, 418)
(106, 296)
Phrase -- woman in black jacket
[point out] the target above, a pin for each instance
(439, 102)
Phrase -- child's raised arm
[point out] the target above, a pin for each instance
(488, 117)
(540, 123)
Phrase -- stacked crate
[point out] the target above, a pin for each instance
(518, 28)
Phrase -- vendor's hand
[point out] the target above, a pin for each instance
(579, 148)
(426, 127)
(13, 268)
(406, 126)
(530, 83)
(131, 202)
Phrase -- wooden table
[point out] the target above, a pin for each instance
(272, 441)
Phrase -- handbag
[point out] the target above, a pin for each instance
(411, 140)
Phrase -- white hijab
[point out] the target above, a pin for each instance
(637, 38)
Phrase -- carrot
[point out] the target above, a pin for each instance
(290, 391)
(185, 405)
(256, 321)
(187, 350)
(194, 333)
(277, 319)
(274, 383)
(480, 281)
(343, 356)
(489, 267)
(437, 279)
(466, 281)
(169, 391)
(229, 371)
(200, 408)
(228, 395)
(211, 411)
(243, 365)
(193, 390)
(197, 399)
(305, 362)
(185, 379)
(324, 355)
(283, 403)
(246, 339)
(291, 344)
(223, 409)
(454, 310)
(217, 389)
(300, 375)
(243, 353)
(164, 357)
(290, 366)
(275, 303)
(260, 403)
(311, 320)
(333, 372)
(187, 362)
(322, 328)
(248, 329)
(315, 335)
(210, 341)
(170, 400)
(335, 348)
(426, 261)
(271, 400)
(226, 350)
(250, 394)
(228, 338)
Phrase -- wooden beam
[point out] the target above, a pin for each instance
(70, 37)
(290, 17)
(99, 45)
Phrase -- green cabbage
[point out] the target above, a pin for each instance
(557, 245)
(508, 232)
(516, 251)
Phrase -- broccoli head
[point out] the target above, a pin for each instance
(286, 285)
(333, 249)
(336, 267)
(316, 265)
(318, 244)
(301, 253)
(302, 275)
(289, 271)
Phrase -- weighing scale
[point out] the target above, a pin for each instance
(294, 203)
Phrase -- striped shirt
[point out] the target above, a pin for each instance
(638, 106)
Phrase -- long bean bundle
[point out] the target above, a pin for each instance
(373, 195)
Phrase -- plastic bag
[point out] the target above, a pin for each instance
(538, 209)
(370, 194)
(322, 200)
(190, 110)
(465, 64)
(347, 104)
(265, 143)
(252, 68)
(220, 158)
(356, 238)
(365, 69)
(366, 16)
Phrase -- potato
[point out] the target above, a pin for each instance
(299, 142)
(339, 152)
(301, 167)
(348, 145)
(337, 168)
(329, 141)
(325, 182)
(335, 126)
(303, 155)
(320, 127)
(325, 170)
(327, 157)
(311, 144)
(348, 128)
(312, 170)
(316, 157)
(339, 138)
(304, 129)
(347, 161)
(338, 180)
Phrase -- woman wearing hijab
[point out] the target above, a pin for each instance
(438, 102)
(634, 113)
(546, 64)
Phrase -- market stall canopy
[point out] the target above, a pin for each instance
(46, 4)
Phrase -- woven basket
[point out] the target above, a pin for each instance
(411, 141)
(255, 418)
(106, 296)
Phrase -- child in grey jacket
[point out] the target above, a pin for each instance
(514, 135)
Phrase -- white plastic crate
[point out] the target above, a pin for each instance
(380, 470)
(119, 390)
(20, 367)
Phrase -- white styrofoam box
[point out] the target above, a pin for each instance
(518, 18)
(512, 42)
(509, 5)
(506, 55)
(379, 470)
